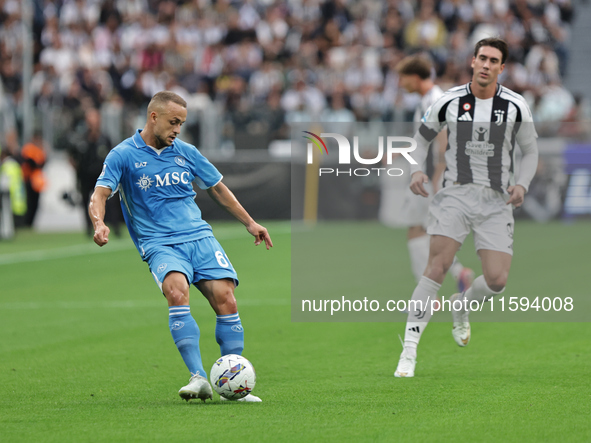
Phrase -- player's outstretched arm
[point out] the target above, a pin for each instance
(417, 181)
(227, 200)
(96, 211)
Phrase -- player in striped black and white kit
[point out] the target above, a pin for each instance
(416, 76)
(485, 122)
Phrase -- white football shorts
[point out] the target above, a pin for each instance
(399, 206)
(456, 210)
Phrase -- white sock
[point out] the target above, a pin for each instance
(418, 249)
(455, 268)
(419, 314)
(479, 290)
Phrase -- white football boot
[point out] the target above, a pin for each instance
(248, 398)
(461, 326)
(406, 366)
(198, 387)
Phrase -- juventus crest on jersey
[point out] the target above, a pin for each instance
(482, 135)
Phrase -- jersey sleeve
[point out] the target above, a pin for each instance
(431, 124)
(526, 134)
(112, 170)
(434, 119)
(526, 138)
(206, 174)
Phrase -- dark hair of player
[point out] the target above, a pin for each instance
(493, 42)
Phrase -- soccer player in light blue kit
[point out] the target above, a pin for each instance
(153, 172)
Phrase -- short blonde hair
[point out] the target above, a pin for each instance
(162, 98)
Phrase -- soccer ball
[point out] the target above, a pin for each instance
(232, 376)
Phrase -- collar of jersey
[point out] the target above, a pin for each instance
(140, 143)
(497, 92)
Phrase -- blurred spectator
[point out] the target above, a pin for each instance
(426, 31)
(33, 159)
(337, 112)
(303, 97)
(87, 51)
(576, 122)
(88, 148)
(11, 178)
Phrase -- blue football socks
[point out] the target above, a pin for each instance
(229, 334)
(185, 333)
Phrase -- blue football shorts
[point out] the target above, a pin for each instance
(202, 259)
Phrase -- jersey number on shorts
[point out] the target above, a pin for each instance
(222, 259)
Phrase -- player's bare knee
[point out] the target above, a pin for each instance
(225, 301)
(228, 301)
(176, 296)
(176, 293)
(436, 270)
(497, 282)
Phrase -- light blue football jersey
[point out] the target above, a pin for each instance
(156, 190)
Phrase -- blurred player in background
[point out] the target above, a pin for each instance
(416, 76)
(484, 121)
(153, 172)
(88, 147)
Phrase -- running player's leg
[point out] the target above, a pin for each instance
(493, 238)
(418, 250)
(495, 268)
(441, 254)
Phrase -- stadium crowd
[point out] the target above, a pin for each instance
(268, 62)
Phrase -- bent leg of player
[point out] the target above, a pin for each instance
(495, 265)
(229, 332)
(493, 238)
(422, 303)
(216, 279)
(418, 250)
(185, 333)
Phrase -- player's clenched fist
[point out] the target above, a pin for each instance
(101, 235)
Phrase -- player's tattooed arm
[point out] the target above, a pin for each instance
(227, 200)
(96, 211)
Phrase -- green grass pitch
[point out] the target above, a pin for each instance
(86, 355)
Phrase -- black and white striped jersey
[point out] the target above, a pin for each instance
(482, 135)
(427, 101)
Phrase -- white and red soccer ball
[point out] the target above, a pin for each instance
(232, 376)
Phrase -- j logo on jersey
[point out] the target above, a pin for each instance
(179, 160)
(500, 115)
(141, 164)
(161, 268)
